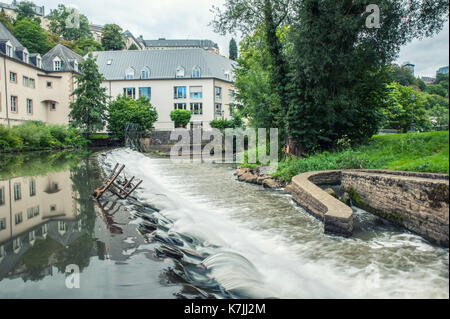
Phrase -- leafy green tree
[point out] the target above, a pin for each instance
(7, 21)
(133, 47)
(442, 80)
(112, 39)
(233, 50)
(181, 118)
(432, 100)
(25, 9)
(88, 109)
(32, 36)
(437, 89)
(125, 110)
(88, 45)
(64, 22)
(404, 108)
(402, 75)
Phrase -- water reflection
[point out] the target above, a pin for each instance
(43, 220)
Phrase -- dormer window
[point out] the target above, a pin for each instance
(109, 62)
(129, 74)
(39, 62)
(180, 72)
(75, 65)
(228, 75)
(196, 72)
(57, 64)
(145, 73)
(26, 57)
(9, 50)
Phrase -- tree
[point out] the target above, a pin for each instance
(402, 75)
(125, 110)
(64, 22)
(88, 109)
(404, 108)
(88, 45)
(6, 21)
(25, 9)
(181, 118)
(32, 36)
(437, 89)
(133, 47)
(233, 50)
(112, 38)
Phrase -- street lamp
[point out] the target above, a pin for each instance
(413, 98)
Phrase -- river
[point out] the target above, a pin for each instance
(192, 231)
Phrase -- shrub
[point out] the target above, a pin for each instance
(8, 141)
(127, 110)
(181, 118)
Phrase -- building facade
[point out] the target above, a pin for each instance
(188, 79)
(35, 87)
(443, 70)
(164, 44)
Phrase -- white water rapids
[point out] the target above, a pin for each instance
(262, 245)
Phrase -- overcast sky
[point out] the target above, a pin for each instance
(189, 19)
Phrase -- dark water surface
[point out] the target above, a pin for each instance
(191, 231)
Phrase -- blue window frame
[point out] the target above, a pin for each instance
(145, 92)
(179, 92)
(130, 92)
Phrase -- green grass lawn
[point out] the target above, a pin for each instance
(418, 152)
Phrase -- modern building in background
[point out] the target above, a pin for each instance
(188, 79)
(35, 87)
(443, 70)
(410, 66)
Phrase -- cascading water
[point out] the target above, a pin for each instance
(257, 243)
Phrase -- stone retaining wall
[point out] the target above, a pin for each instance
(336, 216)
(418, 202)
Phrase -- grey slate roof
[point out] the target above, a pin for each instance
(66, 55)
(6, 35)
(180, 43)
(164, 63)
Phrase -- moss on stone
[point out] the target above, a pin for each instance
(393, 217)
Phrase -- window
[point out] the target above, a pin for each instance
(36, 211)
(145, 92)
(218, 93)
(32, 236)
(231, 95)
(57, 64)
(18, 218)
(52, 106)
(14, 104)
(49, 85)
(196, 72)
(25, 57)
(180, 106)
(129, 92)
(17, 244)
(9, 51)
(29, 106)
(109, 62)
(2, 196)
(145, 73)
(25, 81)
(39, 63)
(17, 192)
(32, 188)
(218, 109)
(32, 83)
(180, 72)
(179, 92)
(75, 65)
(13, 77)
(129, 74)
(227, 75)
(53, 208)
(2, 223)
(197, 108)
(196, 92)
(30, 213)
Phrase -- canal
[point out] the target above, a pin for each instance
(190, 231)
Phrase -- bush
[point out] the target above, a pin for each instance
(38, 135)
(181, 118)
(223, 124)
(127, 110)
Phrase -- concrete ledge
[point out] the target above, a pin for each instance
(337, 217)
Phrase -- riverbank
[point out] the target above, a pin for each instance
(416, 152)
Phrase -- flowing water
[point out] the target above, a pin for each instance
(192, 231)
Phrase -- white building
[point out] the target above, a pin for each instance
(190, 79)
